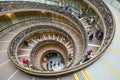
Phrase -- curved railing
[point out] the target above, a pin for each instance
(109, 29)
(14, 43)
(32, 53)
(37, 22)
(16, 40)
(31, 6)
(108, 21)
(72, 20)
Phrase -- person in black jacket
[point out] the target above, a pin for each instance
(90, 36)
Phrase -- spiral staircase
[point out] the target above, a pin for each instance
(33, 30)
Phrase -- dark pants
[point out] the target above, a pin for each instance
(86, 58)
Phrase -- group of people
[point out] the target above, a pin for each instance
(52, 64)
(98, 34)
(54, 61)
(89, 29)
(90, 22)
(66, 7)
